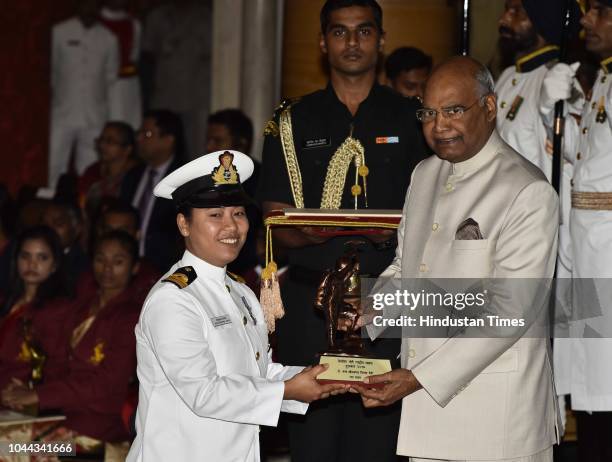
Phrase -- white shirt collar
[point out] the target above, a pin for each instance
(203, 268)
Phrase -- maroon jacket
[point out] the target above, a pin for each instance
(48, 328)
(100, 368)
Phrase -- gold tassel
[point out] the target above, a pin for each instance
(269, 294)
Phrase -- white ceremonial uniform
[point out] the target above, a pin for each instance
(84, 66)
(125, 97)
(520, 125)
(482, 398)
(583, 370)
(206, 378)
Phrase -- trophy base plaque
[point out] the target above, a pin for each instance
(351, 369)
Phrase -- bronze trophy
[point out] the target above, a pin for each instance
(338, 296)
(35, 354)
(37, 358)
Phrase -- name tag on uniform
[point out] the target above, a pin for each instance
(316, 143)
(74, 43)
(387, 139)
(221, 321)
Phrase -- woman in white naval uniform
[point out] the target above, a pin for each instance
(206, 378)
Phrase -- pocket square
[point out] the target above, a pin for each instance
(468, 231)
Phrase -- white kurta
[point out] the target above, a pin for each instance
(206, 378)
(482, 398)
(583, 370)
(84, 66)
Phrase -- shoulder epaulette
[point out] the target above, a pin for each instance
(286, 103)
(182, 277)
(236, 277)
(272, 125)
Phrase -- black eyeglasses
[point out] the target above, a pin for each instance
(453, 112)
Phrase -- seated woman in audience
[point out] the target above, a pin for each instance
(115, 147)
(102, 359)
(33, 311)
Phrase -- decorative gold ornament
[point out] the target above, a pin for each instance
(271, 129)
(98, 354)
(350, 150)
(226, 172)
(293, 168)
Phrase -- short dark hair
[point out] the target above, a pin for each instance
(122, 207)
(333, 5)
(126, 132)
(405, 59)
(124, 239)
(169, 123)
(238, 124)
(69, 206)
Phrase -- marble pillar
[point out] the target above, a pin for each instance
(226, 68)
(246, 60)
(259, 65)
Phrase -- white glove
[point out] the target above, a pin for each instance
(557, 85)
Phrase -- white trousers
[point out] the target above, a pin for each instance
(544, 456)
(64, 137)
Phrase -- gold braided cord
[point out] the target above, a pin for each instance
(293, 168)
(336, 172)
(592, 200)
(291, 221)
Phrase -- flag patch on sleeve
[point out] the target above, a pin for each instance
(387, 139)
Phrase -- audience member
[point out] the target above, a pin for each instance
(175, 64)
(116, 149)
(120, 216)
(160, 146)
(66, 220)
(102, 358)
(33, 310)
(229, 129)
(27, 214)
(407, 70)
(232, 129)
(84, 67)
(126, 104)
